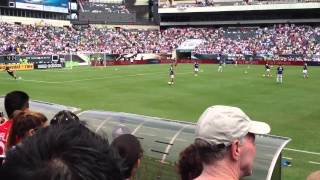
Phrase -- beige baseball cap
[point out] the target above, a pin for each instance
(224, 124)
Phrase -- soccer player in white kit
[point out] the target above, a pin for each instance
(268, 74)
(171, 74)
(305, 70)
(196, 68)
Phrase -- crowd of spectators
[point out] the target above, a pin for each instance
(279, 42)
(106, 7)
(298, 42)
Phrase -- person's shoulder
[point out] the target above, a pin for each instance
(5, 126)
(6, 123)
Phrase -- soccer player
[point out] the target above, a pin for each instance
(11, 72)
(196, 68)
(279, 73)
(220, 69)
(305, 70)
(171, 74)
(268, 74)
(175, 62)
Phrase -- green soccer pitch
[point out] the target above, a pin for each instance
(292, 109)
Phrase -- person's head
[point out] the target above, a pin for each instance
(24, 124)
(189, 165)
(16, 100)
(65, 152)
(314, 176)
(63, 117)
(119, 130)
(129, 148)
(227, 134)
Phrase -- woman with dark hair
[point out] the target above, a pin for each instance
(63, 117)
(189, 165)
(24, 124)
(129, 148)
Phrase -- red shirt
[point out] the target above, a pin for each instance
(4, 133)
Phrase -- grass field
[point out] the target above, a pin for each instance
(292, 108)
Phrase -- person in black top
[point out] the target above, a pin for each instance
(196, 68)
(171, 74)
(11, 72)
(279, 73)
(305, 70)
(268, 74)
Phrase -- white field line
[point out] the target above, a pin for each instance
(302, 151)
(289, 158)
(312, 162)
(90, 79)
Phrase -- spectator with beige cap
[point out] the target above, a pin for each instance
(224, 145)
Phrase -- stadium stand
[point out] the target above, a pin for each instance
(28, 21)
(294, 42)
(105, 7)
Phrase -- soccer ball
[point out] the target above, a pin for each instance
(263, 75)
(169, 82)
(19, 78)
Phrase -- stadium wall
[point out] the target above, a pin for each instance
(104, 18)
(304, 16)
(29, 62)
(17, 66)
(266, 7)
(144, 27)
(32, 21)
(205, 61)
